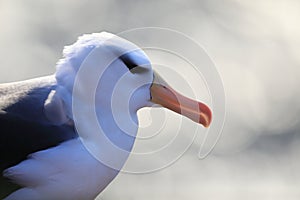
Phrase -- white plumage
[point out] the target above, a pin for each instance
(58, 165)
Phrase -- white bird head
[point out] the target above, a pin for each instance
(121, 79)
(124, 77)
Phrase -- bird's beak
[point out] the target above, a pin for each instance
(163, 94)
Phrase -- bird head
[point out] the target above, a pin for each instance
(126, 80)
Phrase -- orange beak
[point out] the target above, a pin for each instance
(163, 94)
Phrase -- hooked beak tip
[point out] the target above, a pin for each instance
(205, 120)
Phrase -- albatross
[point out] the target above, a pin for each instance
(42, 153)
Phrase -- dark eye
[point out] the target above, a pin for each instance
(128, 61)
(132, 66)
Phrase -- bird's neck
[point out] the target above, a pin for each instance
(106, 132)
(105, 127)
(120, 126)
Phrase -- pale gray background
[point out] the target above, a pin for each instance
(255, 45)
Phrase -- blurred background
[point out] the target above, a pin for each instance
(255, 45)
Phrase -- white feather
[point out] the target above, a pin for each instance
(67, 171)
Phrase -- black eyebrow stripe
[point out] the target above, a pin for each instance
(128, 61)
